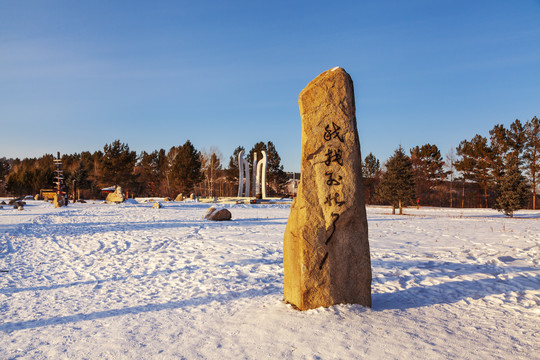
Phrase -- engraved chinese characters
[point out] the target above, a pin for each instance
(326, 250)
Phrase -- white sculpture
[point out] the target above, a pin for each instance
(243, 168)
(241, 173)
(259, 175)
(255, 178)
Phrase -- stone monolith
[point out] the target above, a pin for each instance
(326, 250)
(59, 201)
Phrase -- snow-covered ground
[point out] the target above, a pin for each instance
(130, 281)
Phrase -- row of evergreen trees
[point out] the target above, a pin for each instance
(499, 172)
(181, 169)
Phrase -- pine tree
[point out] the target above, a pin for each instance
(257, 148)
(532, 154)
(516, 137)
(397, 184)
(371, 168)
(451, 165)
(147, 170)
(475, 164)
(186, 168)
(465, 165)
(428, 168)
(277, 178)
(118, 165)
(499, 149)
(482, 170)
(80, 175)
(5, 168)
(513, 191)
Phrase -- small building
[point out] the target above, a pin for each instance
(47, 194)
(106, 191)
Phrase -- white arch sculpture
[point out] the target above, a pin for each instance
(259, 175)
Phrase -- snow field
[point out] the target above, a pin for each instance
(129, 281)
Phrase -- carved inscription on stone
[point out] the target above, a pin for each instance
(326, 250)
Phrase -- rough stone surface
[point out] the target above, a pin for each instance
(115, 197)
(326, 250)
(59, 201)
(179, 197)
(157, 205)
(209, 212)
(219, 215)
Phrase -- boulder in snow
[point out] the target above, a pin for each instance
(217, 215)
(116, 197)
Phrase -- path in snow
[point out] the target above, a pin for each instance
(94, 280)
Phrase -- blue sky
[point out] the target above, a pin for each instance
(76, 75)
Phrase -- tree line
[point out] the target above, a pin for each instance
(160, 173)
(500, 172)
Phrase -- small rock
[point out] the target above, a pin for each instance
(220, 215)
(506, 258)
(3, 203)
(157, 205)
(179, 197)
(20, 208)
(17, 204)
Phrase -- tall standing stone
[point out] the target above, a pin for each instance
(59, 200)
(326, 250)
